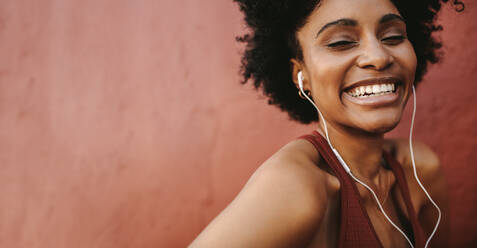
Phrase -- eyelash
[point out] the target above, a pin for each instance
(392, 40)
(395, 39)
(341, 43)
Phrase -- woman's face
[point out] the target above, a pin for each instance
(357, 63)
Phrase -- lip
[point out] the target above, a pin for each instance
(375, 101)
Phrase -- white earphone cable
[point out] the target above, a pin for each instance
(415, 171)
(348, 170)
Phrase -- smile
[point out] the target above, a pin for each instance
(372, 90)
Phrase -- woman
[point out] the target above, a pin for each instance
(345, 185)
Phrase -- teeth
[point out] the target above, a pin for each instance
(376, 89)
(369, 90)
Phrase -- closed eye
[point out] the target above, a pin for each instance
(341, 44)
(393, 40)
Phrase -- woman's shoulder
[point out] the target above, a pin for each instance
(292, 178)
(282, 204)
(427, 167)
(432, 177)
(298, 164)
(426, 160)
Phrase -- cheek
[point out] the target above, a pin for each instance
(408, 60)
(328, 73)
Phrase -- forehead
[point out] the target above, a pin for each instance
(363, 11)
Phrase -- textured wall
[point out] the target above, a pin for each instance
(122, 123)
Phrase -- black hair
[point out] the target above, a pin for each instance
(272, 43)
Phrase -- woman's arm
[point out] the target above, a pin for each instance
(281, 206)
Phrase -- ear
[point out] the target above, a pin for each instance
(297, 67)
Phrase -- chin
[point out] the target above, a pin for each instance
(382, 129)
(378, 124)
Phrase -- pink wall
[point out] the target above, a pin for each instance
(122, 123)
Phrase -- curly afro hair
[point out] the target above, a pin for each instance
(272, 43)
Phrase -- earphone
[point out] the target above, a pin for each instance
(348, 170)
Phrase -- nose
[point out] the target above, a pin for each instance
(374, 56)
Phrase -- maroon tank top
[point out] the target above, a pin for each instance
(356, 229)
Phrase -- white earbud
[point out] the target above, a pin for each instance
(300, 80)
(300, 84)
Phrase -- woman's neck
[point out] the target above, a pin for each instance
(362, 153)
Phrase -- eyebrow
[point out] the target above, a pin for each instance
(391, 17)
(352, 23)
(339, 22)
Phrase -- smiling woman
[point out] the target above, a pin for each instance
(352, 65)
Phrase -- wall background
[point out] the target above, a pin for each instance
(122, 123)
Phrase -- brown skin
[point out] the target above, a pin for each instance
(292, 199)
(289, 200)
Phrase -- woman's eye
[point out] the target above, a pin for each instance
(393, 40)
(341, 44)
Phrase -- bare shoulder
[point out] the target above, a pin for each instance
(426, 160)
(297, 161)
(428, 170)
(281, 205)
(430, 173)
